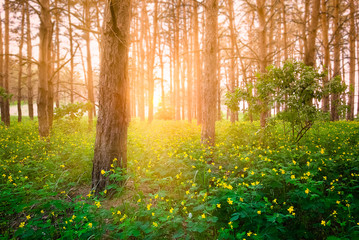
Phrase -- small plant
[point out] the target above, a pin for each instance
(72, 111)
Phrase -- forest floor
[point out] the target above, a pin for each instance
(176, 188)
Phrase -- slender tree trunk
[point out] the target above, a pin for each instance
(197, 63)
(263, 52)
(160, 45)
(57, 19)
(113, 115)
(151, 80)
(357, 41)
(44, 66)
(285, 32)
(352, 33)
(219, 116)
(188, 64)
(210, 72)
(90, 92)
(172, 92)
(19, 81)
(177, 63)
(6, 118)
(309, 55)
(50, 76)
(336, 71)
(304, 28)
(325, 27)
(2, 101)
(71, 52)
(30, 101)
(232, 67)
(141, 107)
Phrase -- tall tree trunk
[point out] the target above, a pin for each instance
(160, 45)
(285, 32)
(30, 96)
(141, 105)
(57, 30)
(152, 56)
(2, 101)
(210, 72)
(50, 76)
(309, 55)
(113, 115)
(44, 66)
(19, 81)
(261, 12)
(90, 92)
(325, 29)
(6, 118)
(232, 76)
(304, 28)
(336, 71)
(98, 25)
(197, 64)
(187, 56)
(219, 113)
(357, 41)
(177, 63)
(71, 52)
(350, 115)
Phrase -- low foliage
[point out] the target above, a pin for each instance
(296, 88)
(177, 188)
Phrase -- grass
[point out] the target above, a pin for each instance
(176, 188)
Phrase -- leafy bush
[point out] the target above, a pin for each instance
(295, 86)
(72, 111)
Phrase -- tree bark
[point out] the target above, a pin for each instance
(197, 62)
(71, 52)
(232, 67)
(113, 115)
(6, 105)
(285, 32)
(336, 70)
(309, 56)
(44, 66)
(2, 101)
(350, 115)
(210, 73)
(19, 83)
(151, 63)
(261, 12)
(141, 105)
(177, 63)
(304, 28)
(90, 92)
(57, 30)
(189, 62)
(30, 101)
(325, 27)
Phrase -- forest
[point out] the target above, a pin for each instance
(179, 119)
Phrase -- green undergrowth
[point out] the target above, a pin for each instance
(250, 185)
